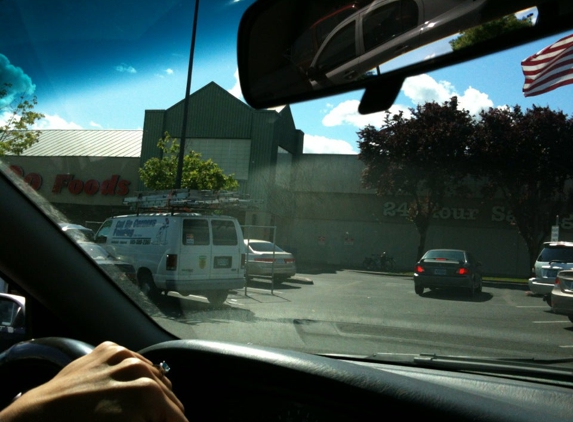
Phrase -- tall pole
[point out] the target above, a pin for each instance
(186, 101)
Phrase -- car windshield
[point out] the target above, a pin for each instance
(93, 111)
(453, 255)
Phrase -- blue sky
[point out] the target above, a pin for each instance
(109, 85)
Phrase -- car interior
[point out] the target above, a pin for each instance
(72, 305)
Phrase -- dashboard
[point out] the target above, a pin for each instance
(231, 382)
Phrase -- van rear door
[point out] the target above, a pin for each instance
(227, 248)
(195, 257)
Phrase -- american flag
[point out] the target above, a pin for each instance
(551, 68)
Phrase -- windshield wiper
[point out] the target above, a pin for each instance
(521, 367)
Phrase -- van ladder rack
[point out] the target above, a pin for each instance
(189, 200)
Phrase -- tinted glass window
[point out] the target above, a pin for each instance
(264, 247)
(340, 49)
(8, 311)
(103, 231)
(455, 255)
(387, 22)
(559, 253)
(224, 232)
(195, 232)
(325, 26)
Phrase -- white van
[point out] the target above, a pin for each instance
(184, 252)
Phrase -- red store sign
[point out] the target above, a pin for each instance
(67, 182)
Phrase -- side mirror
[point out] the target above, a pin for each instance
(12, 320)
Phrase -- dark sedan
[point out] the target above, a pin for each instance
(448, 268)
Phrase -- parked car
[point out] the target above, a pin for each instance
(118, 270)
(77, 231)
(448, 268)
(12, 319)
(554, 257)
(562, 294)
(268, 260)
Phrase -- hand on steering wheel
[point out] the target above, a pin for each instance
(109, 383)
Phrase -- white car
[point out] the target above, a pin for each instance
(554, 257)
(386, 29)
(267, 259)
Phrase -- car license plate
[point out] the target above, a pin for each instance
(440, 271)
(280, 261)
(551, 273)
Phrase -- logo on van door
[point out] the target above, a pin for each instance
(202, 261)
(161, 237)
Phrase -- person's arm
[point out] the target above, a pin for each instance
(110, 384)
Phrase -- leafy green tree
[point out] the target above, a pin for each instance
(525, 157)
(423, 157)
(16, 118)
(160, 173)
(490, 30)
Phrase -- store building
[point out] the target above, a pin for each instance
(320, 221)
(84, 173)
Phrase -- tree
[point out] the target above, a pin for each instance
(16, 118)
(526, 158)
(490, 30)
(160, 173)
(423, 157)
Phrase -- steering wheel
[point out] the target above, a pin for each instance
(28, 364)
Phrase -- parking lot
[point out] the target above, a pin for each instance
(363, 312)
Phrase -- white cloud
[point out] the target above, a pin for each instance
(474, 101)
(419, 89)
(124, 68)
(55, 122)
(322, 145)
(423, 88)
(96, 125)
(346, 113)
(236, 90)
(169, 71)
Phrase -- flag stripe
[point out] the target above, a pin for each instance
(566, 55)
(553, 70)
(549, 69)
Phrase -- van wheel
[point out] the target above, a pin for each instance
(148, 287)
(217, 297)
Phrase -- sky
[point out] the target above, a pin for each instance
(141, 64)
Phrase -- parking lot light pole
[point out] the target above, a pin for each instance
(179, 175)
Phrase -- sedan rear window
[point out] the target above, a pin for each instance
(264, 247)
(453, 255)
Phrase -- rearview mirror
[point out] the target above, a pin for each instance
(295, 50)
